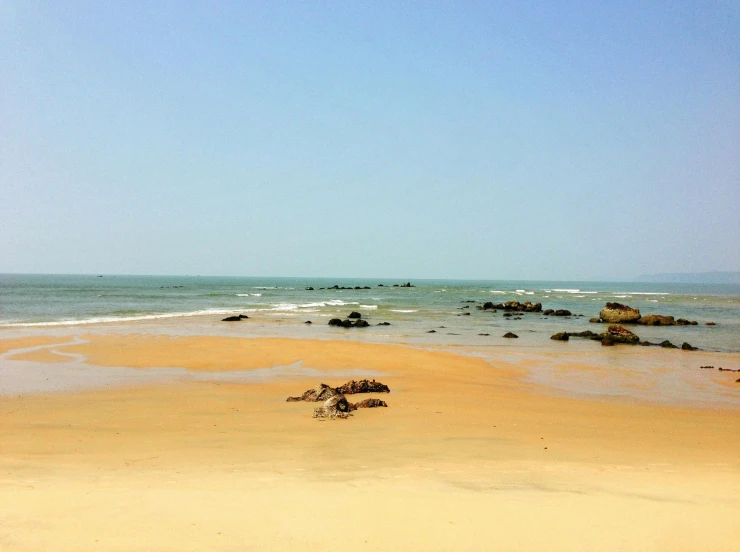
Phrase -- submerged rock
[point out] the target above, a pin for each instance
(656, 320)
(561, 336)
(511, 335)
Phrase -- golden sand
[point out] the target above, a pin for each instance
(466, 457)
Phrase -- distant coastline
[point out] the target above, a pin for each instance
(693, 277)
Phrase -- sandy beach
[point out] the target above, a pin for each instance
(469, 454)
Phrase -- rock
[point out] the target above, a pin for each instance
(354, 314)
(232, 319)
(618, 334)
(686, 347)
(465, 314)
(361, 324)
(711, 323)
(616, 313)
(737, 380)
(594, 320)
(667, 345)
(507, 314)
(586, 333)
(548, 312)
(432, 331)
(353, 387)
(511, 305)
(319, 393)
(334, 407)
(335, 322)
(243, 316)
(368, 403)
(510, 335)
(706, 367)
(561, 336)
(684, 322)
(562, 312)
(347, 323)
(384, 323)
(309, 289)
(484, 334)
(656, 320)
(308, 322)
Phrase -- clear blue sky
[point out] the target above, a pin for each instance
(564, 140)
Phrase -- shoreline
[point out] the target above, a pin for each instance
(209, 462)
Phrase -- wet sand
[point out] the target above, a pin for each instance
(471, 454)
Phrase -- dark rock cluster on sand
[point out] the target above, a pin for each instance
(336, 404)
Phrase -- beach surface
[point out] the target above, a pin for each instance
(186, 443)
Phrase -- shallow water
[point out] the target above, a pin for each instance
(48, 301)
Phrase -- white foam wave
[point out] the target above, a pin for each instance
(566, 290)
(249, 295)
(643, 292)
(369, 307)
(403, 310)
(109, 319)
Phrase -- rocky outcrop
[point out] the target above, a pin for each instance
(319, 393)
(618, 334)
(618, 313)
(368, 403)
(656, 320)
(333, 408)
(561, 336)
(363, 386)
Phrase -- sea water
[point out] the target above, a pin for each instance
(28, 301)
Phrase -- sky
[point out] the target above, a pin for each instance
(476, 140)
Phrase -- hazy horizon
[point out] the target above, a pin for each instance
(550, 141)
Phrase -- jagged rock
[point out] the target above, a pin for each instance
(354, 314)
(363, 386)
(233, 318)
(510, 335)
(618, 313)
(561, 336)
(334, 407)
(594, 320)
(686, 347)
(319, 393)
(656, 320)
(368, 403)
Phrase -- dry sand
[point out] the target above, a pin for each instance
(467, 456)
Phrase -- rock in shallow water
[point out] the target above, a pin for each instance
(616, 312)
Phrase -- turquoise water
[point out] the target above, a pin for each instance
(64, 300)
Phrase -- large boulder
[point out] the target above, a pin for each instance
(616, 313)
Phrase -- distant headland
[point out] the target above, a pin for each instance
(693, 277)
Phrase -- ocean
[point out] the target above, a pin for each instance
(28, 301)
